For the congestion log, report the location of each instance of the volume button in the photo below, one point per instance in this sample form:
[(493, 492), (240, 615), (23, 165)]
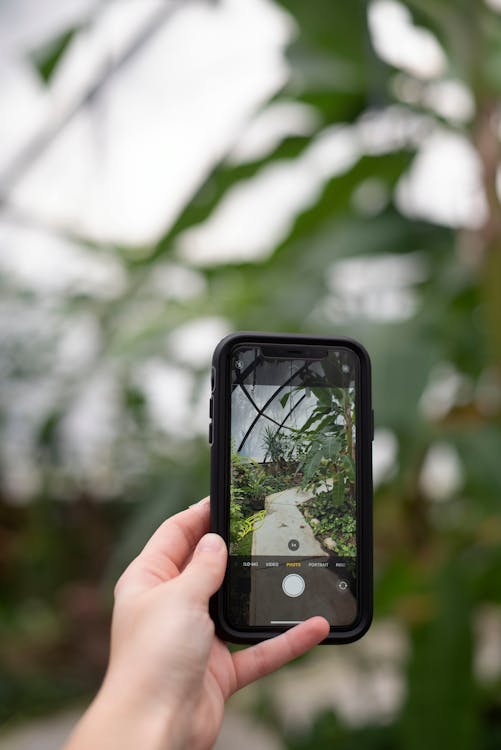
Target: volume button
[(211, 405), (210, 433)]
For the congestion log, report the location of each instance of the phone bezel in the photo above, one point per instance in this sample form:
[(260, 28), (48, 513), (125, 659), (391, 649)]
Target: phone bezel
[(220, 430)]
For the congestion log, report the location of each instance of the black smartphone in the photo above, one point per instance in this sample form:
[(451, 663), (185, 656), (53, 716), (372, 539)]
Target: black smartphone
[(291, 484)]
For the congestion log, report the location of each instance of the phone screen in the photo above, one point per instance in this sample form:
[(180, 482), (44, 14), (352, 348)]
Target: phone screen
[(293, 486)]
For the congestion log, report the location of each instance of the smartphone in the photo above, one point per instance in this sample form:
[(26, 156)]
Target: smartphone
[(291, 484)]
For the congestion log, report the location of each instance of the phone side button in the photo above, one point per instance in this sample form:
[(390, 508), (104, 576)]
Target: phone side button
[(210, 433), (211, 403), (372, 424)]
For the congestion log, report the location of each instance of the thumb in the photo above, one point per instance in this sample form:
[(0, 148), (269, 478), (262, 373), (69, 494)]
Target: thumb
[(205, 572)]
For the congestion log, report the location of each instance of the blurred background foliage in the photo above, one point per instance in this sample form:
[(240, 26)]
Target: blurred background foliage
[(382, 222)]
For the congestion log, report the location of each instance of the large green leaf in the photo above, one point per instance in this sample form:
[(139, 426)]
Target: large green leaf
[(441, 709)]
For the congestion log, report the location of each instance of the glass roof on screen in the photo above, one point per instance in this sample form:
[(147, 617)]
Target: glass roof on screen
[(271, 396)]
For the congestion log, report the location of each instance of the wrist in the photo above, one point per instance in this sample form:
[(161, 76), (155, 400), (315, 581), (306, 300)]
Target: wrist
[(122, 718)]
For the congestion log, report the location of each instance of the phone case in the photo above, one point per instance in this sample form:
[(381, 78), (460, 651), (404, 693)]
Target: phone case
[(219, 437)]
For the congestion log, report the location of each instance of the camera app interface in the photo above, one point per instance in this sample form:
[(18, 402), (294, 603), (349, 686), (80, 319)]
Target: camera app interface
[(293, 520)]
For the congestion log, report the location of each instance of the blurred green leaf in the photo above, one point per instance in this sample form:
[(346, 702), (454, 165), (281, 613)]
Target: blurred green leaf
[(47, 59), (328, 732), (441, 709)]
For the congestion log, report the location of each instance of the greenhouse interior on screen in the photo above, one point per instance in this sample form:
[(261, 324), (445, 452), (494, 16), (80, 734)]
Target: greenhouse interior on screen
[(293, 450)]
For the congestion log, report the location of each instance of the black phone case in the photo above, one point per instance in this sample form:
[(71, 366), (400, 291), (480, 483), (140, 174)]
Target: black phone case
[(219, 437)]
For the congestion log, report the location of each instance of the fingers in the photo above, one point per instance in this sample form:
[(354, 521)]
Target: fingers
[(205, 572), (266, 657), (167, 550), (176, 538)]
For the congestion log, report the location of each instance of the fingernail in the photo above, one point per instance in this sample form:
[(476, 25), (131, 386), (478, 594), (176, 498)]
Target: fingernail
[(203, 501), (211, 543)]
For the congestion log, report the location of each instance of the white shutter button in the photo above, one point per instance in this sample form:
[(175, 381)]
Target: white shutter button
[(293, 585)]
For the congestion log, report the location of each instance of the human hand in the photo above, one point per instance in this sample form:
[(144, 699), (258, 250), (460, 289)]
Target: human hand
[(169, 675)]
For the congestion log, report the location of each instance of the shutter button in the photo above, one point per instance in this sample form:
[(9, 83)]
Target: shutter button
[(293, 585)]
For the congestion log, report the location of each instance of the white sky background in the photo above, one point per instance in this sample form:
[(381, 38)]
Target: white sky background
[(125, 167), (128, 164)]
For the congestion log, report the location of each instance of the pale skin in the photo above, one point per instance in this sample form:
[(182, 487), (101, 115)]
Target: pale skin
[(169, 676)]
